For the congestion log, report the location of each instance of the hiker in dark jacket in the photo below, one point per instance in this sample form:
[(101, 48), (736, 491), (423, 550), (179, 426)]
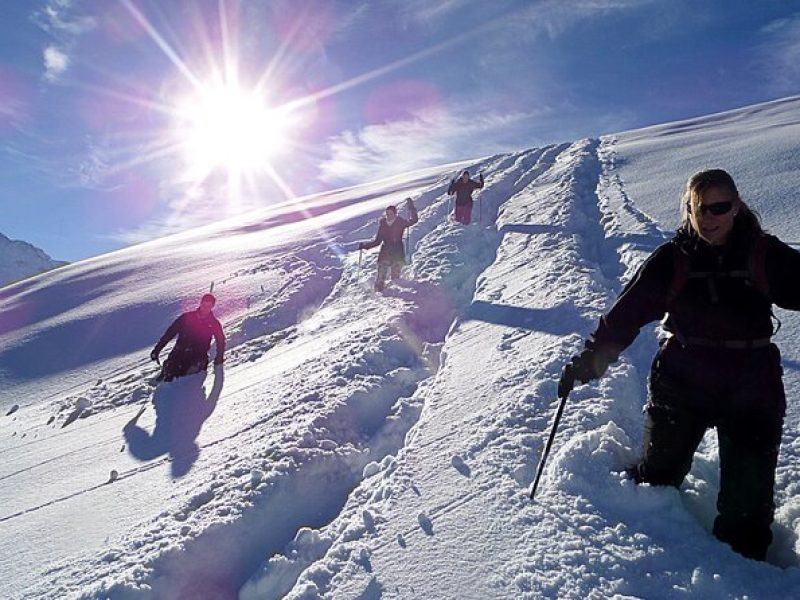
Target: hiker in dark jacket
[(194, 330), (463, 188), (716, 282), (391, 256)]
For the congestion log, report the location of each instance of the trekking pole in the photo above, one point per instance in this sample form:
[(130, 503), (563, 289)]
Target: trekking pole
[(358, 270), (408, 245), (546, 452), (480, 210)]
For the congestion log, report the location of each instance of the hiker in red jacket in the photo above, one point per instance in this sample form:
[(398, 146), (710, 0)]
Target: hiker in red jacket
[(392, 256), (463, 188)]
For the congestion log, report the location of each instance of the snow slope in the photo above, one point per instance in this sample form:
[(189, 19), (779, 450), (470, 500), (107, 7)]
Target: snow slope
[(381, 446), (20, 259)]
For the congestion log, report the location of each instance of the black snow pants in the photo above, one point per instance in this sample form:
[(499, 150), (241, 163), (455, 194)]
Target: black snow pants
[(740, 393), (183, 361)]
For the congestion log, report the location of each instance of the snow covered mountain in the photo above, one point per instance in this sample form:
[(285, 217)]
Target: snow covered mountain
[(381, 446), (20, 259)]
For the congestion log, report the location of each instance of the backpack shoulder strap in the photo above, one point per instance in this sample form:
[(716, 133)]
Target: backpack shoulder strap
[(757, 265), (680, 274)]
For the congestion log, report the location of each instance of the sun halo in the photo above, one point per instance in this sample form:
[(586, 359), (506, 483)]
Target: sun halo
[(227, 127)]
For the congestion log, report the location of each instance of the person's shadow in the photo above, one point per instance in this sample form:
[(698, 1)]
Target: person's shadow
[(181, 409)]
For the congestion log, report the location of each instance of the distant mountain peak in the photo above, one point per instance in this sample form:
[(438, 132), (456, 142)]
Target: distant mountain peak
[(19, 260)]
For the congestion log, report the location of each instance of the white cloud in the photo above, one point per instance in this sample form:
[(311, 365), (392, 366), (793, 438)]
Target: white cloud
[(58, 19), (779, 56), (432, 137), (55, 63)]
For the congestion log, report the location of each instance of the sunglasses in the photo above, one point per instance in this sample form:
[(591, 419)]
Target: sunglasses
[(716, 209)]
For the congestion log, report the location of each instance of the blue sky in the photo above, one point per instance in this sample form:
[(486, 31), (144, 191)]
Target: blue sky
[(126, 120)]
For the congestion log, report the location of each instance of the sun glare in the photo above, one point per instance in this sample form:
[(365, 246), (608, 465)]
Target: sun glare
[(226, 127)]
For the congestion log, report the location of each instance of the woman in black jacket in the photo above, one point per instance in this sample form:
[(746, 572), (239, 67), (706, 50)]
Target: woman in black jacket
[(392, 255), (716, 282)]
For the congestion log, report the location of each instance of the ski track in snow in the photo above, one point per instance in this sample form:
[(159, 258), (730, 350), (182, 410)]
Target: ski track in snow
[(368, 446)]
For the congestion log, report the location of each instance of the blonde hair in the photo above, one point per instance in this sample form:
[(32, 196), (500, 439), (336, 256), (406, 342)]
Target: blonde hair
[(699, 183)]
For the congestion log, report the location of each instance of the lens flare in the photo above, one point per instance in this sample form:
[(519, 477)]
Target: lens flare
[(226, 127)]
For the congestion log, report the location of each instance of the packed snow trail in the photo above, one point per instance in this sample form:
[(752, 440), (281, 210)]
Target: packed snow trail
[(481, 370)]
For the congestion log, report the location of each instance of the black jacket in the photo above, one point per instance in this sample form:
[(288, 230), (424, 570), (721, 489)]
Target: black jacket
[(194, 335), (463, 189), (716, 308), (391, 236)]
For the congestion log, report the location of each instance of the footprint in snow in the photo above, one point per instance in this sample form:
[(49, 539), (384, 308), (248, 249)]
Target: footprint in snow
[(369, 521), (460, 466), (12, 410), (425, 523), (81, 405)]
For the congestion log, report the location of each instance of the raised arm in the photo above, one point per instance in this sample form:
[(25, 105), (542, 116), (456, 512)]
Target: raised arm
[(413, 217)]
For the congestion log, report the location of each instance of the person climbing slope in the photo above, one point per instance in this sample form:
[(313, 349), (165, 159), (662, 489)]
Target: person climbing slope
[(716, 282), (389, 237), (194, 329), (463, 187)]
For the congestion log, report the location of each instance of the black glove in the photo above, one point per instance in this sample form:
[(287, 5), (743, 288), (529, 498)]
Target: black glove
[(586, 366), (567, 381), (219, 360), (154, 355), (360, 245)]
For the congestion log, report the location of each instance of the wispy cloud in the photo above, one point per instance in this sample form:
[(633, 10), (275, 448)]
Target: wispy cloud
[(58, 19), (778, 58), (531, 18), (430, 137)]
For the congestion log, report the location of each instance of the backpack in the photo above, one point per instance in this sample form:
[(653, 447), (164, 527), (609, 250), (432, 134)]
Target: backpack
[(755, 275)]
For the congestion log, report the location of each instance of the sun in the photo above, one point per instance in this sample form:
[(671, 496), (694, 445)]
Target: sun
[(226, 127)]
